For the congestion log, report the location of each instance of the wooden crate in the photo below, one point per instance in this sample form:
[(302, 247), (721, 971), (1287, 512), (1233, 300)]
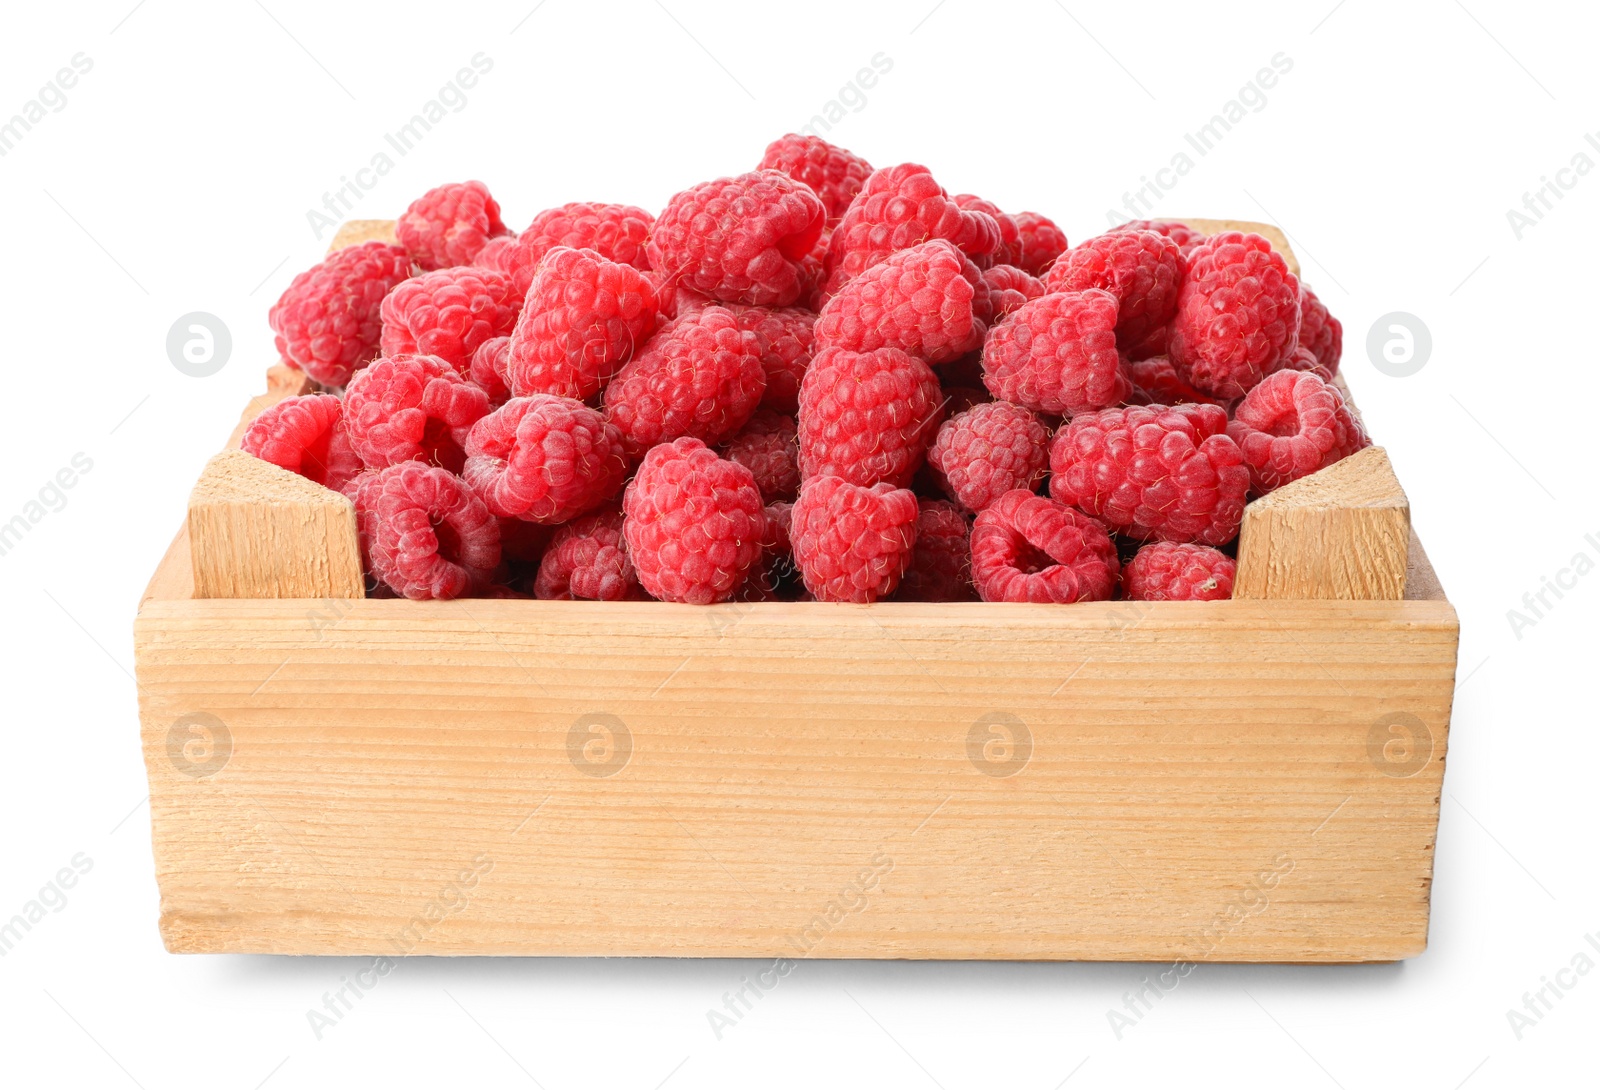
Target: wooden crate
[(1250, 780)]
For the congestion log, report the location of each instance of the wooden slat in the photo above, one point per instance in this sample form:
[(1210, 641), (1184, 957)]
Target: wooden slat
[(355, 232)]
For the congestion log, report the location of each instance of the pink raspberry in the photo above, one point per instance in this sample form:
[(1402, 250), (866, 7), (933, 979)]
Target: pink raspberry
[(545, 459), (408, 408), (617, 232), (1026, 548), (693, 522), (1039, 240), (488, 369), (305, 435), (1057, 354), (699, 376), (1160, 384), (767, 447), (834, 174), (1291, 425), (853, 543), (990, 450), (328, 323), (1238, 314), (430, 536), (1009, 252), (1185, 236), (1164, 571), (918, 300), (899, 207), (583, 318), (495, 255), (867, 416), (1320, 332), (1142, 269), (739, 240), (588, 559), (1303, 359), (1009, 287), (448, 314), (785, 337), (1153, 472), (941, 561), (449, 225)]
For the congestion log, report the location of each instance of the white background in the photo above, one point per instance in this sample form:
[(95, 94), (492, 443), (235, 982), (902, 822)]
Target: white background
[(178, 176)]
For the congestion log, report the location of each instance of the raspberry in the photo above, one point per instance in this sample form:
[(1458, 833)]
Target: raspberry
[(899, 207), (448, 314), (617, 232), (430, 536), (545, 459), (766, 446), (1303, 359), (1185, 236), (867, 416), (584, 316), (990, 450), (588, 559), (1161, 384), (1320, 332), (1057, 354), (1039, 241), (1238, 314), (494, 255), (1163, 571), (739, 240), (1009, 287), (853, 543), (834, 174), (1291, 425), (785, 339), (488, 369), (1153, 471), (412, 407), (1142, 269), (449, 225), (694, 523), (305, 435), (1009, 251), (327, 323), (1026, 548), (941, 562), (700, 376), (918, 300)]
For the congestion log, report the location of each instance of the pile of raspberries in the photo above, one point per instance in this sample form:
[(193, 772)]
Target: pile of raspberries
[(815, 380)]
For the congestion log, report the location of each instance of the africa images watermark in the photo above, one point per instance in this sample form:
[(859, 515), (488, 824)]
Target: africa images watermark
[(1542, 201), (50, 99), (1537, 604), (52, 896), (50, 499), (1535, 1005), (852, 97)]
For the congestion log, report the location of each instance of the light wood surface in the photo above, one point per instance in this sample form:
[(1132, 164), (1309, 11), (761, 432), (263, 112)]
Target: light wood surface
[(353, 232)]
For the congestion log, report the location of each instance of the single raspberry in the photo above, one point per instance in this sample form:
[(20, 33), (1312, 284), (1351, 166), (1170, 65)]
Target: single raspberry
[(588, 559), (899, 207), (431, 536), (834, 174), (488, 369), (918, 300), (1009, 252), (990, 450), (362, 491), (1153, 471), (1026, 548), (327, 323), (941, 560), (1057, 354), (700, 376), (448, 314), (305, 435), (767, 447), (1164, 571), (739, 240), (1142, 269), (1293, 424), (583, 318), (1185, 236), (494, 255), (1040, 242), (1009, 287), (853, 543), (1160, 384), (1303, 359), (449, 225), (867, 416), (617, 232), (693, 522), (1238, 314), (785, 338), (405, 408), (1320, 332), (545, 459)]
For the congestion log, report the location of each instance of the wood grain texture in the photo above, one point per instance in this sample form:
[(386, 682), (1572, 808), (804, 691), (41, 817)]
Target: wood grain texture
[(354, 232), (1270, 232)]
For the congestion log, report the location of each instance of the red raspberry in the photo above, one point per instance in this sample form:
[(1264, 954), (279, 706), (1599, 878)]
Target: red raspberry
[(1009, 252), (786, 343), (767, 447), (1185, 236), (853, 543), (488, 369), (1026, 548), (834, 174), (545, 459), (739, 240), (588, 559), (448, 314), (327, 322), (918, 300), (1039, 240), (899, 207), (700, 376), (867, 416), (1160, 383), (1142, 269), (1293, 424), (1320, 332), (1153, 471), (305, 435), (430, 536), (495, 255), (583, 318), (694, 523), (449, 225), (617, 232), (1303, 359), (1009, 287), (780, 517), (408, 408), (1057, 354), (941, 561), (990, 450), (1238, 314), (1164, 571)]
